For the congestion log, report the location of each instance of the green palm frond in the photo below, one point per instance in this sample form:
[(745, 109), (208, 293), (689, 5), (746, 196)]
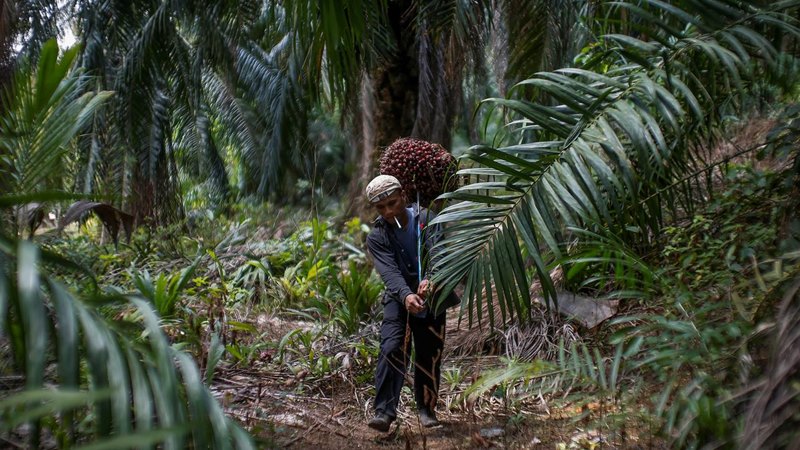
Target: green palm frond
[(196, 82), (461, 18), (543, 35), (122, 375), (575, 367), (451, 36), (44, 110), (612, 154), (278, 110), (338, 39), (32, 23), (158, 57)]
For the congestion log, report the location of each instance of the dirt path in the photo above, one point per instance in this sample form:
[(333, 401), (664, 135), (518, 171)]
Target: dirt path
[(305, 416), (297, 422)]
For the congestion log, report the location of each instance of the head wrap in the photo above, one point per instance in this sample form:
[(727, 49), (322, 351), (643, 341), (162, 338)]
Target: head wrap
[(381, 187)]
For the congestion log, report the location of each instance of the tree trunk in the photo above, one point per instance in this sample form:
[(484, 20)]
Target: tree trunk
[(7, 8), (6, 72), (415, 93), (389, 103)]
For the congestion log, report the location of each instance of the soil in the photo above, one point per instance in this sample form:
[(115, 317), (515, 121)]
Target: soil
[(283, 411), (339, 422)]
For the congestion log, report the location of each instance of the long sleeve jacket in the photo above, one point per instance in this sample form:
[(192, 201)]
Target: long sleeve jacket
[(396, 267)]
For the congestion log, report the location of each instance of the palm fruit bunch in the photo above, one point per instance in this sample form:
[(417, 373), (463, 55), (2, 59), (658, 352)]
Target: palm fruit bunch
[(420, 166)]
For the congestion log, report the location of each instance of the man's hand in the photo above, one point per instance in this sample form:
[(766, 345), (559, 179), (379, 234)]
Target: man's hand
[(425, 288), (414, 303)]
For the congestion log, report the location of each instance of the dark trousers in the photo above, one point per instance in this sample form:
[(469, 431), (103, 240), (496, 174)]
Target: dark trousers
[(428, 337)]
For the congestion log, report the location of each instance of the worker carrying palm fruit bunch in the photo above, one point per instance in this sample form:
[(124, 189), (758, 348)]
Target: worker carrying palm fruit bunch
[(400, 243), (425, 170)]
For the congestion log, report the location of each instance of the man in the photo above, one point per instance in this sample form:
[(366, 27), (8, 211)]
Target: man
[(392, 243)]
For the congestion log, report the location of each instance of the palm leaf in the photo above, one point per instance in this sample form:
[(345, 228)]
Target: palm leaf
[(128, 375), (606, 156), (45, 111)]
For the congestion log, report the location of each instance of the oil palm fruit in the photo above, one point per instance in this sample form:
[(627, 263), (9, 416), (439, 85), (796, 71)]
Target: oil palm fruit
[(420, 166)]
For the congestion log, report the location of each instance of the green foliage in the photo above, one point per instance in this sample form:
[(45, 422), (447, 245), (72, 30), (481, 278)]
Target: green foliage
[(43, 110), (361, 290), (165, 290), (698, 340), (615, 151), (215, 353), (318, 352), (613, 266), (726, 240), (302, 350), (317, 275), (246, 350), (583, 376), (253, 277), (120, 377)]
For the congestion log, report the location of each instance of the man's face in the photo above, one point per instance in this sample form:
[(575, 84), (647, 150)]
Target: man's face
[(392, 206)]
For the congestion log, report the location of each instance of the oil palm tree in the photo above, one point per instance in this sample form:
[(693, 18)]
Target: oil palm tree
[(612, 155), (174, 69), (120, 378)]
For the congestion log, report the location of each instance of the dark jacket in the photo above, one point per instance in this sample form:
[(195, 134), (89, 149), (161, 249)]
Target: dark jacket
[(398, 269)]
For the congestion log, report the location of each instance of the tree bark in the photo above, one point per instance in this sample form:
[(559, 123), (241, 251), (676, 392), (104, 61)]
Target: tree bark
[(389, 103), (414, 93), (7, 8)]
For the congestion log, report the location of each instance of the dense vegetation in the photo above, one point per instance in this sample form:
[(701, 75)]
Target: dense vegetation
[(181, 216)]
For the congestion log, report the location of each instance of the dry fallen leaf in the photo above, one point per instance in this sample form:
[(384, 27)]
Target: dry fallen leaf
[(480, 440)]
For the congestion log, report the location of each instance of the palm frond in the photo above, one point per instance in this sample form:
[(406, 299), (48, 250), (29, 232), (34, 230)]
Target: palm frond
[(574, 367), (131, 385), (459, 17), (449, 35), (772, 412), (45, 110), (275, 117), (333, 38), (607, 154), (544, 35), (158, 57), (34, 23)]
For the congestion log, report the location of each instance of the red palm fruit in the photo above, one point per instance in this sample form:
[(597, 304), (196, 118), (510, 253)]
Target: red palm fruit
[(420, 166)]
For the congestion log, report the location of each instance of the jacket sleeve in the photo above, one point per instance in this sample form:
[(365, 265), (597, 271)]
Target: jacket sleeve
[(385, 264)]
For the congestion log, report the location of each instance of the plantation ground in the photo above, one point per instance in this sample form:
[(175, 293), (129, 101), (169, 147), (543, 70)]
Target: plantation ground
[(338, 421), (288, 410)]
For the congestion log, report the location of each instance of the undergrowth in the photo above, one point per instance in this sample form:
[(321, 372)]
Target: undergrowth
[(299, 297), (697, 329)]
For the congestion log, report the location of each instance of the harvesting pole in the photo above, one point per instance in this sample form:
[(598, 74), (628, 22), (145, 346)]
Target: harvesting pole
[(419, 246), (419, 243)]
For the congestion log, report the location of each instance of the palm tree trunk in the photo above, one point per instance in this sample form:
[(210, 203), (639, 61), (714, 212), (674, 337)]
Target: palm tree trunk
[(395, 83), (415, 93), (6, 70), (6, 41), (389, 103)]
